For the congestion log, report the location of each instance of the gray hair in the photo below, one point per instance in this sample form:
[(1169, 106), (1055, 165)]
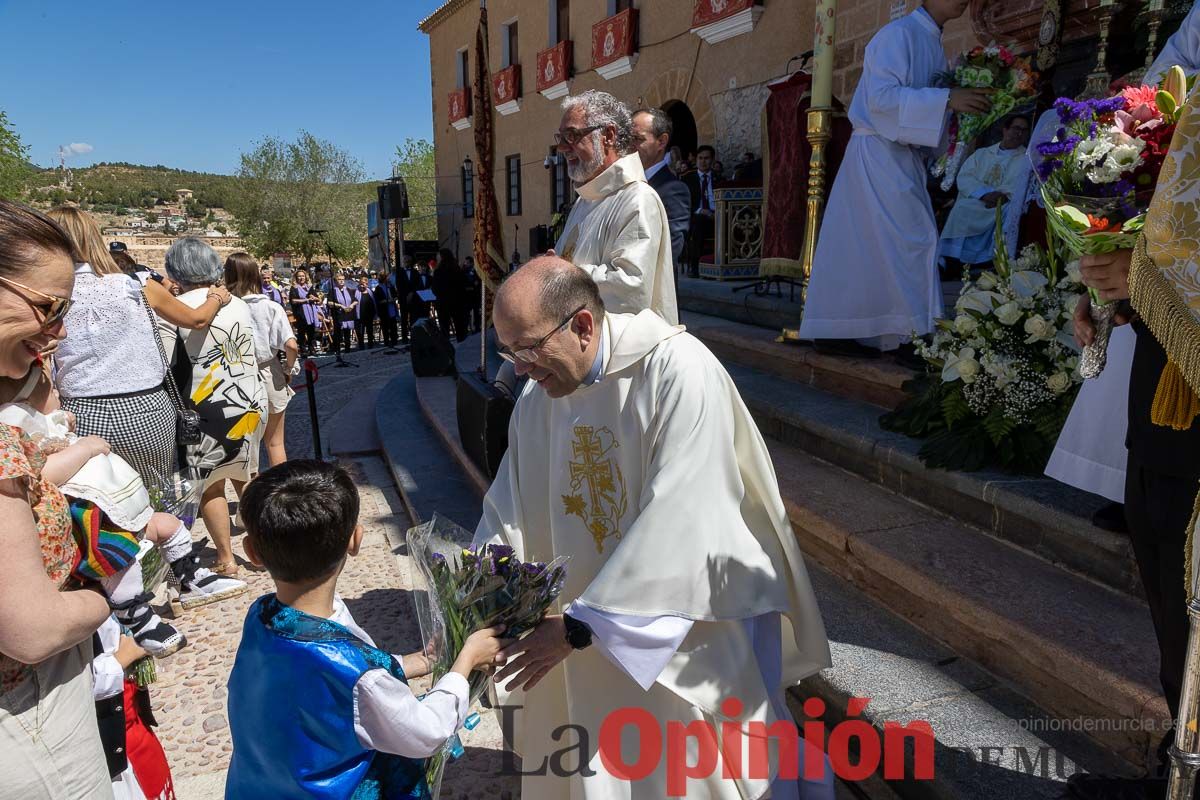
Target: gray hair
[(191, 262), (660, 123), (601, 108)]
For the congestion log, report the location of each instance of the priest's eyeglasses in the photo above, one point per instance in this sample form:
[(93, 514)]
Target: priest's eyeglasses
[(529, 355), (51, 312), (572, 136)]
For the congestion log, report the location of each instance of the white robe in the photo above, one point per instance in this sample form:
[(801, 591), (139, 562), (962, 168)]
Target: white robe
[(657, 484), (874, 271), (988, 169), (617, 232), (1182, 48)]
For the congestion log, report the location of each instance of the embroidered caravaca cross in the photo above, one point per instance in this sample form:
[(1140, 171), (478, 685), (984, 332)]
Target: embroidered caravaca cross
[(601, 479)]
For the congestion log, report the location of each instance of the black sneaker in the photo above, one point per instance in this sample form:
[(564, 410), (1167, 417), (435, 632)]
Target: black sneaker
[(1111, 518)]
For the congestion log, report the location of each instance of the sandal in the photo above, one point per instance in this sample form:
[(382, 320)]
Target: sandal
[(229, 569)]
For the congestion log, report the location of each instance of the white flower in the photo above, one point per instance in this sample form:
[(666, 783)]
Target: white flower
[(992, 51), (987, 281), (1073, 272), (965, 324), (1103, 173), (978, 301), (1090, 151), (1059, 382), (1008, 313), (1125, 157), (960, 366), (1039, 329)]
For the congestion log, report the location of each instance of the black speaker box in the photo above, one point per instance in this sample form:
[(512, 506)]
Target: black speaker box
[(539, 240), (432, 354), (483, 413), (393, 200)]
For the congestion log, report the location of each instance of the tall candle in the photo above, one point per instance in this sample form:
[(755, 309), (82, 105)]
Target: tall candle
[(823, 45)]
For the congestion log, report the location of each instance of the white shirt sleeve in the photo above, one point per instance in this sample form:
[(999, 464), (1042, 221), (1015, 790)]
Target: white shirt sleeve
[(389, 718), (281, 329), (639, 646), (108, 678)]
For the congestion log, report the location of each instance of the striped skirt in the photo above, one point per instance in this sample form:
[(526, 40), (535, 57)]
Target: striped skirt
[(139, 427)]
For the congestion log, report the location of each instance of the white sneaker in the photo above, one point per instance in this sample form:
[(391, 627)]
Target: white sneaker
[(205, 587), (158, 638)]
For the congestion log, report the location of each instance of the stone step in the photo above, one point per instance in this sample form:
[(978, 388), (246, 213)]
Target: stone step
[(1041, 515), (878, 382), (990, 742), (1082, 651)]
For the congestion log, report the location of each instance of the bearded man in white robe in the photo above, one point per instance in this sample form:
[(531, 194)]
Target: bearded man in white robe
[(686, 596), (617, 231), (874, 275), (990, 176)]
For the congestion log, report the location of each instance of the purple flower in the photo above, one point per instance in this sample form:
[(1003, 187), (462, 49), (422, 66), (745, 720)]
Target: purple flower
[(500, 550), (1059, 148), (1046, 169), (1069, 111), (1108, 105)]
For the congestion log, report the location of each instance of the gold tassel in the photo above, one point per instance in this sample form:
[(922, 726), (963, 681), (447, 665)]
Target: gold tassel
[(1175, 404)]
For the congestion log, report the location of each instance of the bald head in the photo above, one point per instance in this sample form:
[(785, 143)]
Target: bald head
[(549, 288), (548, 316)]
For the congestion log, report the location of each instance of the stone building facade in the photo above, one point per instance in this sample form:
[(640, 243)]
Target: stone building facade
[(706, 62)]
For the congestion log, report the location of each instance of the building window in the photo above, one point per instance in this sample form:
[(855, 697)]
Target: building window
[(560, 184), (510, 45), (512, 167), (464, 69), (468, 192), (560, 21), (617, 6)]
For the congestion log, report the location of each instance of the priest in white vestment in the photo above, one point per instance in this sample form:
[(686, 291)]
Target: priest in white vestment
[(990, 176), (874, 275), (617, 231), (632, 453)]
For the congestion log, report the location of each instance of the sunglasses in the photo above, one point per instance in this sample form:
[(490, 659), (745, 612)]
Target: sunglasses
[(52, 311), (529, 355), (572, 136)]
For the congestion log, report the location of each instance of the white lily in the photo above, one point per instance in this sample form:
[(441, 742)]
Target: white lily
[(960, 366)]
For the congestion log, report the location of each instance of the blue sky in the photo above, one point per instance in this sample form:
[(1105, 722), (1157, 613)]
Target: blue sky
[(193, 84)]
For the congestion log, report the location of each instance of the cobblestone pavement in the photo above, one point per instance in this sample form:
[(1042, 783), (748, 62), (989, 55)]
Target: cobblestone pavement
[(190, 696)]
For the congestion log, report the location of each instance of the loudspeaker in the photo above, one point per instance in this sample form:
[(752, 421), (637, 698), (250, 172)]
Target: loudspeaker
[(393, 200), (432, 354), (483, 413), (539, 240)]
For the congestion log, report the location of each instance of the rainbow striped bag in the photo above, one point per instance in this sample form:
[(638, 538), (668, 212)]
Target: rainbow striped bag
[(104, 548)]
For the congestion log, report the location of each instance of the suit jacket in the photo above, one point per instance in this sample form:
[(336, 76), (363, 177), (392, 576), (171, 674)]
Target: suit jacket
[(675, 197), (407, 287), (692, 179), (385, 297)]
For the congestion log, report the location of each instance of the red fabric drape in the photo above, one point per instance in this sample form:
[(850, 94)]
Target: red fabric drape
[(789, 154)]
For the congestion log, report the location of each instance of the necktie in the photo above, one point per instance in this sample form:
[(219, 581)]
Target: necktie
[(704, 206)]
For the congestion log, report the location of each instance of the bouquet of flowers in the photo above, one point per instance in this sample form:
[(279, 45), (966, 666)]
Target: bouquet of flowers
[(1011, 82), (466, 590), (1003, 373), (1098, 175)]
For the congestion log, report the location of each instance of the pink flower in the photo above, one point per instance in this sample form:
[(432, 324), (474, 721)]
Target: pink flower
[(1006, 57), (1140, 102)]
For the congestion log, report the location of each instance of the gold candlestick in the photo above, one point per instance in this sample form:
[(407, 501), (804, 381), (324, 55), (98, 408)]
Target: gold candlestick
[(1155, 12), (820, 131), (1099, 79)]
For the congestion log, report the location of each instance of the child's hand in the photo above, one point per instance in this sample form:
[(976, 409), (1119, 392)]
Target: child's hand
[(481, 648), (94, 446)]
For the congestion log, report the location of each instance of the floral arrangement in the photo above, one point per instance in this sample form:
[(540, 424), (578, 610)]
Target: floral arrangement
[(1011, 82), (1003, 373), (467, 590), (1098, 175)]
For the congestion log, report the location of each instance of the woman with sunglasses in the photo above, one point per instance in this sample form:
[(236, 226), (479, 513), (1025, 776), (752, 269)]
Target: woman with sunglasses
[(49, 741), (109, 370)]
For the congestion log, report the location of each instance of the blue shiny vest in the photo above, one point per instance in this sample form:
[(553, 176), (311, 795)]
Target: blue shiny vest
[(291, 713)]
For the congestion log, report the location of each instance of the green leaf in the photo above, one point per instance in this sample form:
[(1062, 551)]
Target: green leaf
[(997, 426)]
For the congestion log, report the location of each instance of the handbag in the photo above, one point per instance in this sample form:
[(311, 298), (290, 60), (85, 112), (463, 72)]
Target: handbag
[(187, 420)]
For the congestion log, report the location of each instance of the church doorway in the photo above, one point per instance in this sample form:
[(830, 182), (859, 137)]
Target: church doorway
[(685, 135)]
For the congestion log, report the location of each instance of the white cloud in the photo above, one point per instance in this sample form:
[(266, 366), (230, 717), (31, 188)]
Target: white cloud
[(75, 149)]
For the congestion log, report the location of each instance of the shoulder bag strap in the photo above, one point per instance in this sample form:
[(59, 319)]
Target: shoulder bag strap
[(169, 377)]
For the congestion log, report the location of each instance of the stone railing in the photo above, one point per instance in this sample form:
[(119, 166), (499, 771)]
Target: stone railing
[(739, 234)]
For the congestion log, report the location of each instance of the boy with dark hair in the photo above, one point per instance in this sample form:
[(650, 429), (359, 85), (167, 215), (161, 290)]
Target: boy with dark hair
[(315, 709)]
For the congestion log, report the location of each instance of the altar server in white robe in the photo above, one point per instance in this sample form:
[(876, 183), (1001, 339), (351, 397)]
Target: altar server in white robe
[(990, 176), (617, 231), (874, 271), (1090, 453), (632, 453)]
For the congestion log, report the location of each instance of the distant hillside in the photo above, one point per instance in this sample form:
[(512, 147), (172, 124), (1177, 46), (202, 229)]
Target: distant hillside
[(106, 186)]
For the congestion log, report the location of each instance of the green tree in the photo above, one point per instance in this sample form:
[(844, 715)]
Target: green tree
[(151, 217), (415, 163), (287, 189), (14, 161)]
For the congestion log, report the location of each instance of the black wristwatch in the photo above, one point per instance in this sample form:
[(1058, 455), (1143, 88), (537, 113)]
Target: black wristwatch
[(579, 635)]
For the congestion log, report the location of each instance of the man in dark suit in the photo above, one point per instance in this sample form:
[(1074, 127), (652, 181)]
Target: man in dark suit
[(409, 281), (652, 139), (700, 184)]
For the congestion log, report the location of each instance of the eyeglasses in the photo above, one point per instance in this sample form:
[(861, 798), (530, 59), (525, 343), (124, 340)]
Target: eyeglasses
[(51, 312), (572, 136), (529, 355)]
